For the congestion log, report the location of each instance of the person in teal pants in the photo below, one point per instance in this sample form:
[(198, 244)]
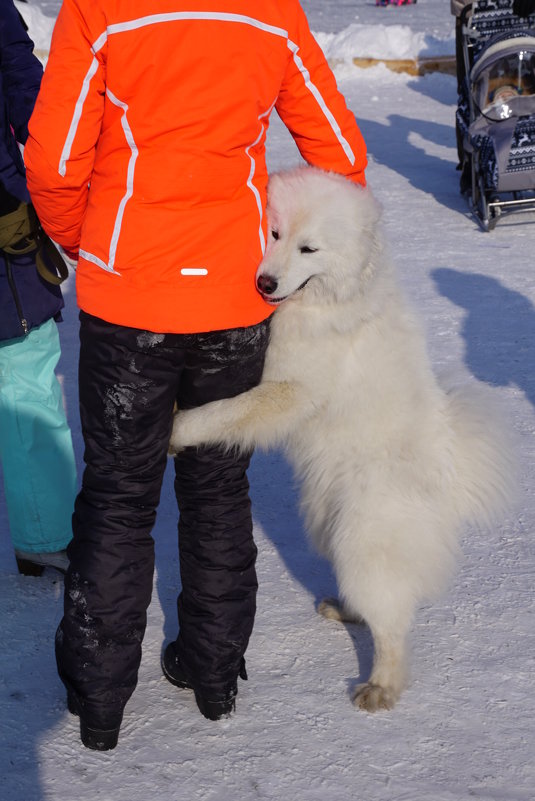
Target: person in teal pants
[(36, 451)]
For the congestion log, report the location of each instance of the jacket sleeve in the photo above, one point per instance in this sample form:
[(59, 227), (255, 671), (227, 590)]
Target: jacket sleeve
[(315, 112), (21, 71), (66, 122)]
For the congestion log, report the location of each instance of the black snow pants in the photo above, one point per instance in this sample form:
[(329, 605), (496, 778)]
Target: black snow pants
[(129, 381)]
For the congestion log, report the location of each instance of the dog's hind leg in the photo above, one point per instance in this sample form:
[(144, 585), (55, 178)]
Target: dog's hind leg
[(385, 603), (389, 674), (332, 609)]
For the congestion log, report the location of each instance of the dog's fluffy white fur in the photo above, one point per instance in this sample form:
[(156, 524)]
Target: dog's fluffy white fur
[(391, 464)]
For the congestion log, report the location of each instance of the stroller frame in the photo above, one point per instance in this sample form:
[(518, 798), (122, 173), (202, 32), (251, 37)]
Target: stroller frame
[(480, 22)]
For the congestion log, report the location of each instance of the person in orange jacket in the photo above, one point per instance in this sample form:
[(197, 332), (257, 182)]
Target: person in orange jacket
[(146, 162)]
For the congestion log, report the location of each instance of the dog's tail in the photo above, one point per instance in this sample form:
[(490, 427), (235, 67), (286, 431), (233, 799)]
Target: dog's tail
[(484, 458)]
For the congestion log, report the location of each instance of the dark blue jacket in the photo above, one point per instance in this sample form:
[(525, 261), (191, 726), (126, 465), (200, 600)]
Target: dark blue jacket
[(26, 300)]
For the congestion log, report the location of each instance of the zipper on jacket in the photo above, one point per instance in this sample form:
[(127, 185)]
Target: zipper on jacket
[(11, 282)]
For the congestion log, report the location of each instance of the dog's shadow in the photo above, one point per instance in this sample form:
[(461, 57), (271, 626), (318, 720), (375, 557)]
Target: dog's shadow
[(274, 495), (412, 155)]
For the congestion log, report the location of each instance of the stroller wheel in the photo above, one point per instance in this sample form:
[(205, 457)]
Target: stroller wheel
[(494, 212), (480, 206)]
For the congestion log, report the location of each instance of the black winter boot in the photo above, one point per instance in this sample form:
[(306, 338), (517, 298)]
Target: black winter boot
[(213, 707), (95, 739)]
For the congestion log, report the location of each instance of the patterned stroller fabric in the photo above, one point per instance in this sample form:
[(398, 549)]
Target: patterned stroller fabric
[(496, 109)]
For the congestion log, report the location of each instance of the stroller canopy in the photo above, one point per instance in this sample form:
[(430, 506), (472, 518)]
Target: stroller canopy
[(503, 78)]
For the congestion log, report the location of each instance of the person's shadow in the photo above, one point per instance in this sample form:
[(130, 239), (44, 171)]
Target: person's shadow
[(32, 699), (499, 328), (401, 143)]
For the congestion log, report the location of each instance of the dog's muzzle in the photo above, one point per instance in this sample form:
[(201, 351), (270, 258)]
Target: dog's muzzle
[(267, 285)]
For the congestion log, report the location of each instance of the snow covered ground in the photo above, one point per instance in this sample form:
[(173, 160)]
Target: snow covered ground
[(464, 728)]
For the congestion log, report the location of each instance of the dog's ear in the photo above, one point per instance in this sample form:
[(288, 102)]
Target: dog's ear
[(368, 225)]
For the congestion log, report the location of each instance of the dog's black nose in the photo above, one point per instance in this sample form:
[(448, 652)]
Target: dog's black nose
[(266, 284)]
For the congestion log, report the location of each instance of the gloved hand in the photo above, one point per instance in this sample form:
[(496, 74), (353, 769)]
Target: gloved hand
[(523, 8)]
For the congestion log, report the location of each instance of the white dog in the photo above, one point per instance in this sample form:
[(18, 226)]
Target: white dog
[(390, 464)]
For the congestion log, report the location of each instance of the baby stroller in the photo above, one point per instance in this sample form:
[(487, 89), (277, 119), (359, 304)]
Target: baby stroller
[(496, 111)]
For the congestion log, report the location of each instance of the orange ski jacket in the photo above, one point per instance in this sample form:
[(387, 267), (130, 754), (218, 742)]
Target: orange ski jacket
[(146, 155)]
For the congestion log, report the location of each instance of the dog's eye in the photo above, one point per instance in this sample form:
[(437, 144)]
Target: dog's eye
[(307, 249), (275, 234)]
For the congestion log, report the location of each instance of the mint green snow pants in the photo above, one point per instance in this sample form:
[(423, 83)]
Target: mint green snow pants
[(35, 443)]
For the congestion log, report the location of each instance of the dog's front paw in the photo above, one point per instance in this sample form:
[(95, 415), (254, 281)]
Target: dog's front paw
[(181, 433), (373, 697), (174, 449)]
